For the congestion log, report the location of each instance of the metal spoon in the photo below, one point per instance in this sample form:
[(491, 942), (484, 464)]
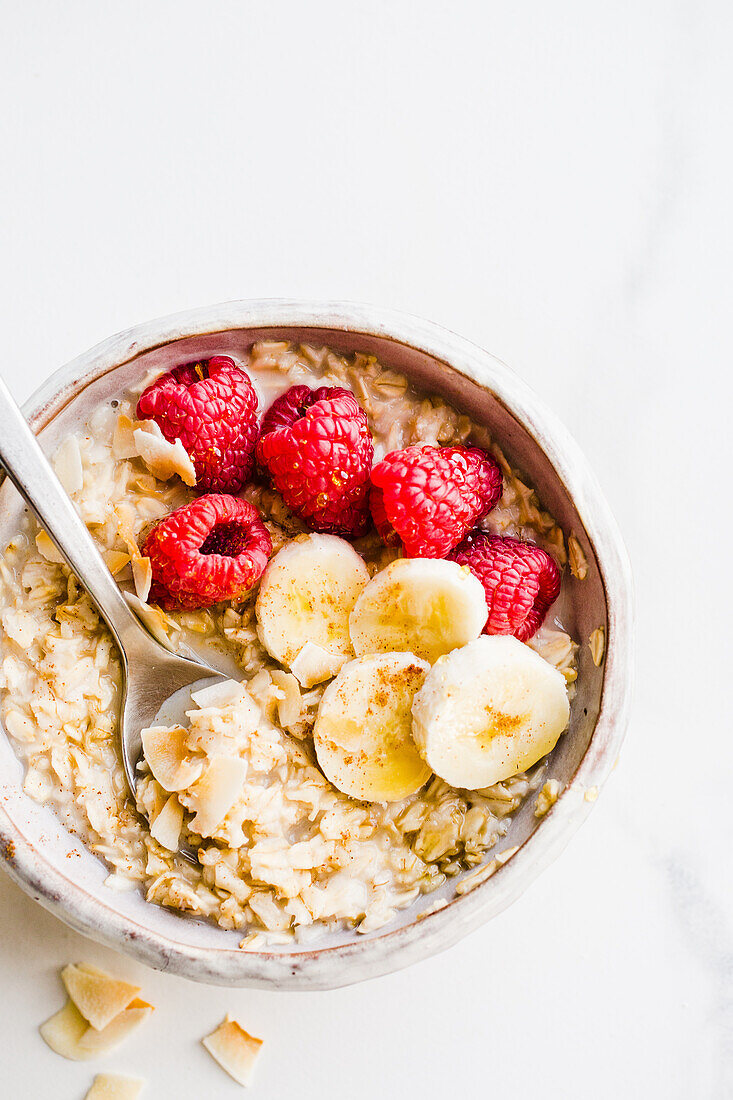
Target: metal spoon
[(150, 673)]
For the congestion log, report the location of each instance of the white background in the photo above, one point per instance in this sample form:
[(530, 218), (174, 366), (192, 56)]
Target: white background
[(552, 180)]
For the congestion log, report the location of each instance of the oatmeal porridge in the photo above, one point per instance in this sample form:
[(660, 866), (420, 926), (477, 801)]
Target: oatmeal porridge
[(333, 779)]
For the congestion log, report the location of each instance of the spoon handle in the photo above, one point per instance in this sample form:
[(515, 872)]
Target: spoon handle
[(34, 478)]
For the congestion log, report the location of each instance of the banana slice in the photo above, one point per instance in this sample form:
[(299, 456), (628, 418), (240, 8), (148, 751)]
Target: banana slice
[(420, 605), (488, 711), (306, 595), (363, 732)]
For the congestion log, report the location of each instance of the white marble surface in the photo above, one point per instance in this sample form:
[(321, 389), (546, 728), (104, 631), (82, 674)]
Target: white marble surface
[(553, 181)]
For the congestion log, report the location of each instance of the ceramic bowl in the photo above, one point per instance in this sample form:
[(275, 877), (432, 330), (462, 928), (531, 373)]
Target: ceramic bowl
[(68, 880)]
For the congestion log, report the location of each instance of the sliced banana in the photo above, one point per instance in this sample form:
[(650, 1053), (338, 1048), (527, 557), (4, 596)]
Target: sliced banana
[(488, 711), (363, 732), (419, 605), (306, 595)]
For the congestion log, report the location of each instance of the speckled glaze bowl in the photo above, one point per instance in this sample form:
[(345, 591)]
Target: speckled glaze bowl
[(63, 876)]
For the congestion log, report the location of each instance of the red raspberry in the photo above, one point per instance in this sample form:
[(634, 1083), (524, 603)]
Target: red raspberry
[(520, 580), (211, 407), (430, 497), (213, 549), (318, 449)]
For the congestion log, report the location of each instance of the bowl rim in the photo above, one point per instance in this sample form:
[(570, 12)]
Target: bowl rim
[(332, 966)]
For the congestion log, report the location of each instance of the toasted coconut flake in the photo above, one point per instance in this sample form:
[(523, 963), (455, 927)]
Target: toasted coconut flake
[(166, 828), (160, 625), (142, 575), (47, 549), (116, 561), (163, 458), (67, 464), (168, 757), (577, 559), (68, 1033), (110, 1086), (220, 695), (597, 643), (216, 792), (126, 528), (63, 1031), (547, 797), (290, 707), (98, 996), (93, 1043), (123, 443), (314, 664), (234, 1049)]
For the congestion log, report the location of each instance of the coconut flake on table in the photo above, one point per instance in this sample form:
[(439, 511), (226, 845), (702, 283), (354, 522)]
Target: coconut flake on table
[(234, 1049), (69, 1032), (98, 996), (112, 1086)]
